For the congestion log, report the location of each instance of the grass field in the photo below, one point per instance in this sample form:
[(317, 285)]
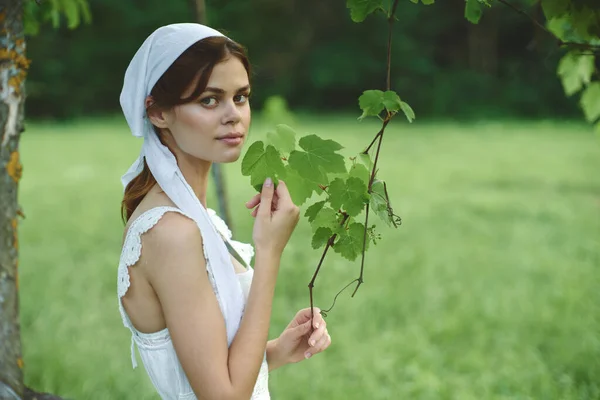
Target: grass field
[(488, 290)]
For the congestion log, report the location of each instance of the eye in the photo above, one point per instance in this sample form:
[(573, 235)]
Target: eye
[(209, 101), (241, 98)]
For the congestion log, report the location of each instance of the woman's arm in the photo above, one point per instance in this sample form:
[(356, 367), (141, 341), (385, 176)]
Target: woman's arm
[(174, 260), (176, 268), (272, 356)]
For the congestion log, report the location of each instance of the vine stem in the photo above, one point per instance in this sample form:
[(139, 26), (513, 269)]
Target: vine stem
[(311, 285), (378, 138)]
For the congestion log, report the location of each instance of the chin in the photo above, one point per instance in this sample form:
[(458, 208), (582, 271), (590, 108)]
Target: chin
[(229, 157)]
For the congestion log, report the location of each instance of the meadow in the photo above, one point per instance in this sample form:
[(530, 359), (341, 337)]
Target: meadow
[(488, 290)]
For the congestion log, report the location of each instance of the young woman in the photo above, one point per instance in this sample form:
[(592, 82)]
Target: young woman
[(198, 313)]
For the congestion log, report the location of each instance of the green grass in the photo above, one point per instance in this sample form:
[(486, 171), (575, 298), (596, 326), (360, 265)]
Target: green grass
[(488, 290)]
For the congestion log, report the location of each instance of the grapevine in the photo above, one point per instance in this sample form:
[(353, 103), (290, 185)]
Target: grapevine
[(312, 167)]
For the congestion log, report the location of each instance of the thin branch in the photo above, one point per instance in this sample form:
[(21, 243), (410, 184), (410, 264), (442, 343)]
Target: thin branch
[(583, 46), (311, 285), (389, 49)]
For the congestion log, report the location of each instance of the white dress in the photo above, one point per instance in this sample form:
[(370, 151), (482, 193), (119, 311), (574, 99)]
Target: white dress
[(156, 349)]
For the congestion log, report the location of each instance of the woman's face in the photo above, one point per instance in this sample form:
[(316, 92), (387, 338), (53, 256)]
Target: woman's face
[(214, 127)]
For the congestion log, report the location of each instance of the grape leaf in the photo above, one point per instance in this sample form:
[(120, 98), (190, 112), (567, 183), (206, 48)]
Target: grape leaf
[(360, 9), (575, 70), (473, 11), (554, 8), (260, 164), (300, 189), (351, 195), (366, 160), (326, 218), (371, 103), (408, 111), (590, 102), (321, 237), (312, 211), (360, 171), (391, 101), (283, 139), (380, 202), (318, 158), (349, 243)]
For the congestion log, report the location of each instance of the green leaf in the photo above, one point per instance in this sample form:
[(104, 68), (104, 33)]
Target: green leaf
[(590, 102), (350, 195), (349, 243), (31, 18), (427, 2), (360, 9), (318, 158), (473, 11), (71, 11), (321, 237), (260, 164), (300, 188), (312, 211), (575, 71), (554, 8), (55, 15), (366, 160), (408, 111), (391, 101), (379, 202), (283, 139), (326, 218), (84, 9), (371, 103), (361, 172)]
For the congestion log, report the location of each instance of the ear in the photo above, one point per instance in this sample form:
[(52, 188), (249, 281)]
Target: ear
[(155, 114)]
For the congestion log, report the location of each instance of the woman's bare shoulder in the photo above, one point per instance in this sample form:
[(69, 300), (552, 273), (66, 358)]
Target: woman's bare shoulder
[(172, 228)]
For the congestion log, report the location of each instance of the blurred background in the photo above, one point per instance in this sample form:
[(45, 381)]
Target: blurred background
[(488, 289)]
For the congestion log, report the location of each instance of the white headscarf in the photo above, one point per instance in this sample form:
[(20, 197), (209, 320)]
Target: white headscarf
[(152, 59)]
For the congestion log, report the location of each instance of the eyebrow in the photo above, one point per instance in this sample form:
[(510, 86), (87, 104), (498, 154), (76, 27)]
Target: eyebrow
[(218, 90)]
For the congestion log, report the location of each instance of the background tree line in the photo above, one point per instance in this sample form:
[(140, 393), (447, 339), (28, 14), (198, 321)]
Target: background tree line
[(311, 53)]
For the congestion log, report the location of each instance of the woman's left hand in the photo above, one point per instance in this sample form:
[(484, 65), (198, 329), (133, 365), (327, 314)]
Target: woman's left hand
[(298, 341)]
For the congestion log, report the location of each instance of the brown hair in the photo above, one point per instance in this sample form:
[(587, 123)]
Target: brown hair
[(199, 58)]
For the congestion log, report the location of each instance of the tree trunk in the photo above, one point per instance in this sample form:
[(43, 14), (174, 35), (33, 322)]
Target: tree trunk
[(200, 11), (483, 43), (13, 69)]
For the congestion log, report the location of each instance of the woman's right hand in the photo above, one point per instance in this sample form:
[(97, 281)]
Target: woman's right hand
[(276, 217)]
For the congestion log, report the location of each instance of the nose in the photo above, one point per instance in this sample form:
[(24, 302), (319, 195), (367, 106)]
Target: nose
[(232, 114)]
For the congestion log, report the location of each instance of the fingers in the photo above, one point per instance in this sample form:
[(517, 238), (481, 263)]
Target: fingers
[(322, 344), (303, 315), (283, 193), (318, 333), (253, 202), (266, 197)]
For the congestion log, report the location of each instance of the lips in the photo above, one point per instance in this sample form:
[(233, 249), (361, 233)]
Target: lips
[(233, 135), (232, 139)]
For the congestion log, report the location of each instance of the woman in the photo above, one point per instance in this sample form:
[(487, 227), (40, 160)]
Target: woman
[(198, 313)]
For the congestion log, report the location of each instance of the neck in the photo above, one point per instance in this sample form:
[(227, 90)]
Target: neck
[(194, 170), (195, 173)]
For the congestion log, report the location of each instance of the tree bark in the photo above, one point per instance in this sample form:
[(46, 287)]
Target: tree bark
[(200, 11), (483, 43), (13, 69)]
